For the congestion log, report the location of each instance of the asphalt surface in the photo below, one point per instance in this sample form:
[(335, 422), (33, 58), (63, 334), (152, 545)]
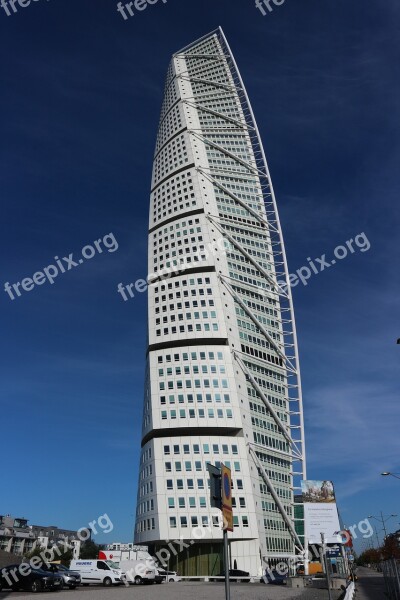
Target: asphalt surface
[(185, 590), (370, 585)]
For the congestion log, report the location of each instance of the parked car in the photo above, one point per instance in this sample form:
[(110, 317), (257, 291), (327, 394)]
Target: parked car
[(23, 577), (234, 575), (71, 579), (170, 576), (274, 577), (98, 571)]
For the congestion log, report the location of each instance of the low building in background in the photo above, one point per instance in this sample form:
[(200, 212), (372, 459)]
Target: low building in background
[(19, 538)]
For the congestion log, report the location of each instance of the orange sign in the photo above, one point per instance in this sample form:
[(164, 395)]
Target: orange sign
[(226, 485)]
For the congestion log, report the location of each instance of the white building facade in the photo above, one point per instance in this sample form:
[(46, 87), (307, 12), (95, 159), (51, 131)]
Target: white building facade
[(222, 380)]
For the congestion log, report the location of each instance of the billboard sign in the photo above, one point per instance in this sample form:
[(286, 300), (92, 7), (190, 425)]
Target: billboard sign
[(320, 511)]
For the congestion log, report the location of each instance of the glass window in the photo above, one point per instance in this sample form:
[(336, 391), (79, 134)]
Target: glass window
[(181, 502), (171, 502), (172, 522), (183, 521), (188, 465), (168, 467), (202, 500), (166, 450), (170, 484), (179, 484), (192, 502), (190, 484), (176, 449)]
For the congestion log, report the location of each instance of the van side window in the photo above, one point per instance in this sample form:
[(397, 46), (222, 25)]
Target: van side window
[(101, 565)]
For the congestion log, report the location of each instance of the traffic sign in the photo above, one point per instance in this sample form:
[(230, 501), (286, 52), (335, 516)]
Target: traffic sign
[(227, 513)]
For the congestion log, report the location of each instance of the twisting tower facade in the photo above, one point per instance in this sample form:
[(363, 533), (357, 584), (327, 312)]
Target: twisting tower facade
[(223, 381)]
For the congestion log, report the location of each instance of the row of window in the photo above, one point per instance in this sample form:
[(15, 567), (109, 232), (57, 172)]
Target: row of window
[(191, 502), (194, 292), (199, 327), (195, 449), (204, 521), (182, 413), (199, 398), (179, 384), (180, 305), (196, 466), (191, 356), (195, 369), (188, 484)]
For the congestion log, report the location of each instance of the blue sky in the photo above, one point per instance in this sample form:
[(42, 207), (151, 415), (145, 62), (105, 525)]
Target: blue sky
[(82, 90)]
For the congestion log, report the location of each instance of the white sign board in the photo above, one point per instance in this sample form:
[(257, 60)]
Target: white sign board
[(320, 512)]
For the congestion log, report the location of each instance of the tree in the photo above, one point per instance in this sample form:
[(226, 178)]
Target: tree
[(370, 556), (390, 548), (64, 556), (89, 550)]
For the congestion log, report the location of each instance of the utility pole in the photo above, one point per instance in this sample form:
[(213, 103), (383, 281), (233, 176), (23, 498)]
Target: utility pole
[(325, 566)]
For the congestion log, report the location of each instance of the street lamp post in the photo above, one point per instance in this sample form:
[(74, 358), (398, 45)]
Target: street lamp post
[(386, 473), (382, 519)]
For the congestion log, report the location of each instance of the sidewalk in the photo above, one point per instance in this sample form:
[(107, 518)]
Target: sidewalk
[(370, 585)]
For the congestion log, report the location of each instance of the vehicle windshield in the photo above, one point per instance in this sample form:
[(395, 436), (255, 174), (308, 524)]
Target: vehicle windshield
[(112, 564)]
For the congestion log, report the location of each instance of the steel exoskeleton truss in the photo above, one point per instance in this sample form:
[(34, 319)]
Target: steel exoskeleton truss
[(286, 346)]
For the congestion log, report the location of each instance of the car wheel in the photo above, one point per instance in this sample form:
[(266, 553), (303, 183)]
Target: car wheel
[(36, 586), (138, 580), (107, 581), (61, 586)]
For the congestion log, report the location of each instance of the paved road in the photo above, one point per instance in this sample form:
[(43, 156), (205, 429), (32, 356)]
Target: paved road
[(185, 590), (370, 585)]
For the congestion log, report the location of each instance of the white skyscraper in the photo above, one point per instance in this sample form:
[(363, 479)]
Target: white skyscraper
[(222, 381)]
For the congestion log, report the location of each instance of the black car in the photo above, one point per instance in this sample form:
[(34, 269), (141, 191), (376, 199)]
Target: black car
[(23, 577), (234, 575)]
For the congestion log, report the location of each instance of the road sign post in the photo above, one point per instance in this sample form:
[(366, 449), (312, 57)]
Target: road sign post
[(226, 497), (221, 497)]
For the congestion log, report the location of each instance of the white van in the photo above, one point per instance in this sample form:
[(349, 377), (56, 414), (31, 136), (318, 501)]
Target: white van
[(137, 565), (103, 572)]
